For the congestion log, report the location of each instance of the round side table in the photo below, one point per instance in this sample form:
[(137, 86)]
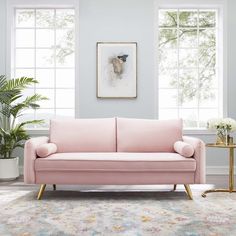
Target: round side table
[(231, 148)]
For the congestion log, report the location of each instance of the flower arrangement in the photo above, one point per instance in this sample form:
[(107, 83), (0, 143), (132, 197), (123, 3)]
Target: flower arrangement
[(223, 127)]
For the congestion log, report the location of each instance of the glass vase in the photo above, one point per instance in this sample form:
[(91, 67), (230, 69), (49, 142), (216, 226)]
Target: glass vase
[(224, 140), (219, 138)]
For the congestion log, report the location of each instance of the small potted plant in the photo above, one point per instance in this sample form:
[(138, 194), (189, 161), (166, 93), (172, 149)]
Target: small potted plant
[(12, 133), (223, 128)]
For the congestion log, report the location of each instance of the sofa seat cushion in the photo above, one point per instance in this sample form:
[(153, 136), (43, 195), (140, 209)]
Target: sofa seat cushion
[(122, 162)]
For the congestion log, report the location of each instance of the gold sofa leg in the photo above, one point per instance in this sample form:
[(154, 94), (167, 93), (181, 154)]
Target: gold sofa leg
[(189, 192), (54, 187), (41, 190), (174, 187)]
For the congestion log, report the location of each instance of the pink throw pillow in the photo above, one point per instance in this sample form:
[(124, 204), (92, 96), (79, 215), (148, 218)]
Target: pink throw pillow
[(46, 149), (184, 149)]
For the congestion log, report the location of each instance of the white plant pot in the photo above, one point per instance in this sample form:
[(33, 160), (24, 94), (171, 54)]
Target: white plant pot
[(9, 168)]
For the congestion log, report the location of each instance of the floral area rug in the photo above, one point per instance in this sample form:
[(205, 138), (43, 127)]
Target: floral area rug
[(70, 213)]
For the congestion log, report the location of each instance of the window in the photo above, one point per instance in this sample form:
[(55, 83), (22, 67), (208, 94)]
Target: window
[(43, 48), (189, 69)]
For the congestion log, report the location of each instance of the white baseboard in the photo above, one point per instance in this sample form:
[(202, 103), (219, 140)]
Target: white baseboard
[(217, 170), (210, 170)]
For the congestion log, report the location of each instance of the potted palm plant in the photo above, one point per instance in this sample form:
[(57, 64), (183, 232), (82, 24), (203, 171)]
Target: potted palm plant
[(13, 133)]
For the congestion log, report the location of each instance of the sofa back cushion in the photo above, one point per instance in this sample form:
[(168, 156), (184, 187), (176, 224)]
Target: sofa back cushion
[(84, 135), (143, 135)]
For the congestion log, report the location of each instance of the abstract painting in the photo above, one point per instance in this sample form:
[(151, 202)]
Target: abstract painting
[(116, 69)]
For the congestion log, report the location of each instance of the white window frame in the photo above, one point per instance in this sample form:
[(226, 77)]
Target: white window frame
[(221, 7), (11, 6)]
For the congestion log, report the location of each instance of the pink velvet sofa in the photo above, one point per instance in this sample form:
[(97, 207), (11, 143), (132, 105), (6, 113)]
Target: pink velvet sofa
[(113, 151)]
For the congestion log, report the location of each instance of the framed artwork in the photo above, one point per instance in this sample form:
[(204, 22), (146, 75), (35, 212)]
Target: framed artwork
[(116, 69)]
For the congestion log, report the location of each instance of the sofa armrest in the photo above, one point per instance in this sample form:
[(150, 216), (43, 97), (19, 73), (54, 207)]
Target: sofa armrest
[(200, 157), (30, 156)]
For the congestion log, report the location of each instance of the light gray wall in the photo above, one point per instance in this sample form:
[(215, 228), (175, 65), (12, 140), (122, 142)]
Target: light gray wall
[(2, 36), (122, 20), (231, 58), (129, 20)]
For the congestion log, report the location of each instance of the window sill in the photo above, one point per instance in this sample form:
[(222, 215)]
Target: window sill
[(37, 132), (197, 132)]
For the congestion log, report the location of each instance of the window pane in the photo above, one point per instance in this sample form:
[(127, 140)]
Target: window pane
[(207, 19), (61, 102), (65, 38), (207, 38), (24, 57), (188, 38), (49, 93), (209, 98), (168, 58), (167, 78), (44, 57), (65, 57), (65, 48), (188, 98), (46, 115), (24, 38), (45, 78), (25, 18), (188, 58), (168, 38), (205, 115), (65, 113), (189, 117), (65, 18), (188, 87), (188, 18), (44, 38), (207, 57), (45, 18), (168, 98), (168, 18), (27, 92), (208, 78), (26, 116), (168, 113), (65, 78), (24, 73)]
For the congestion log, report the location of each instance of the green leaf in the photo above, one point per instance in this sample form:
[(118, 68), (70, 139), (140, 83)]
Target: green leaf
[(10, 90), (3, 79), (19, 83), (31, 122), (5, 111), (13, 135), (29, 102), (4, 132)]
